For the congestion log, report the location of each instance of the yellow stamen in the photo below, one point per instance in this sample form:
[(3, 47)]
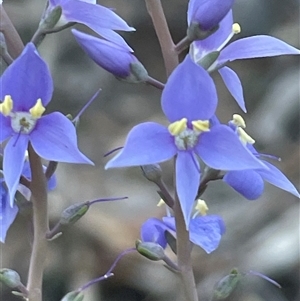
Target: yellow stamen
[(244, 137), (201, 207), (201, 125), (177, 127), (6, 106), (236, 28), (238, 120), (38, 109), (160, 203)]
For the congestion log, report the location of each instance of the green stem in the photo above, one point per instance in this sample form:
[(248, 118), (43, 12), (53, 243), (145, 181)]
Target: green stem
[(40, 227)]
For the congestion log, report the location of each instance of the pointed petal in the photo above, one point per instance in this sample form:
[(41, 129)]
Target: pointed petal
[(221, 149), (146, 143), (5, 128), (153, 230), (13, 161), (187, 182), (214, 41), (255, 47), (93, 16), (106, 54), (234, 85), (26, 80), (246, 182), (206, 232), (278, 179), (189, 93), (7, 213), (54, 139)]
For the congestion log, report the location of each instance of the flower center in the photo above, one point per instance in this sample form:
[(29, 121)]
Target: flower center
[(22, 122), (186, 138)]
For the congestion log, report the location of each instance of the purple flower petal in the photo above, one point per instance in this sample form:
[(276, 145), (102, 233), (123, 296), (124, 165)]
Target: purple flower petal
[(187, 182), (93, 16), (5, 128), (54, 139), (234, 85), (153, 230), (255, 47), (146, 143), (208, 14), (246, 182), (220, 148), (13, 161), (7, 213), (214, 41), (26, 80), (106, 54), (278, 179), (189, 93), (206, 232)]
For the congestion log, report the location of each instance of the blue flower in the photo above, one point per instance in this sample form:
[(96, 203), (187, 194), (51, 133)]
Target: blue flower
[(189, 100), (97, 17), (26, 88), (251, 47), (204, 231), (208, 14), (250, 183)]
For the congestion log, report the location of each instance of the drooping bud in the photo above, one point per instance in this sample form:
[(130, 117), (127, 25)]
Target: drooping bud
[(51, 19), (152, 172), (226, 285), (73, 213), (10, 278), (73, 296), (150, 250), (113, 58)]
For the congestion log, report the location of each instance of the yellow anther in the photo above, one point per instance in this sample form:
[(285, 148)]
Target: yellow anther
[(238, 120), (236, 28), (201, 125), (160, 203), (177, 127), (6, 106), (38, 109), (201, 207), (244, 137)]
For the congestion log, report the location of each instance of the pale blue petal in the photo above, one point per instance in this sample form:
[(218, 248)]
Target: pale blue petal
[(189, 93), (146, 143), (255, 47), (54, 139), (278, 179), (7, 213), (187, 182), (220, 148), (5, 128), (234, 86), (13, 161), (246, 182), (26, 80)]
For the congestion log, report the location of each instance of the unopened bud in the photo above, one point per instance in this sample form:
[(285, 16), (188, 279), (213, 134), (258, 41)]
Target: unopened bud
[(73, 296), (10, 278), (150, 250), (152, 172), (226, 285), (3, 46), (73, 213), (51, 19), (194, 32), (138, 73)]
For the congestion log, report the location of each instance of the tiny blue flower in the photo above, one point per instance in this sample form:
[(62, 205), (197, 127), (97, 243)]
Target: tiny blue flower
[(26, 88)]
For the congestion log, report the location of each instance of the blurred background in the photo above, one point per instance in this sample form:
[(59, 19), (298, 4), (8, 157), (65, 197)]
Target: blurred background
[(261, 235)]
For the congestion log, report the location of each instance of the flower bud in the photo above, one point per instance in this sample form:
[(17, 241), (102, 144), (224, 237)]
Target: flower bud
[(115, 59), (51, 19), (226, 285), (152, 172), (73, 213), (10, 278), (73, 296), (150, 250)]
